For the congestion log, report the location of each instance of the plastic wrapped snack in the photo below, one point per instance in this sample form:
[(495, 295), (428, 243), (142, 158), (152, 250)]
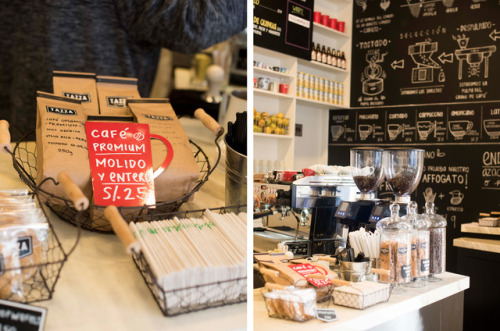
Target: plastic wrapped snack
[(296, 304)]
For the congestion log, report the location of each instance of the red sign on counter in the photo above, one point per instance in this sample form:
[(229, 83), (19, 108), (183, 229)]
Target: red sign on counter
[(121, 163), (308, 269)]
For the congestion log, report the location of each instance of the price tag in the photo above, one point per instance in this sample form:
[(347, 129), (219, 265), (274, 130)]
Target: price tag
[(326, 314), (121, 163), (16, 317), (308, 269)]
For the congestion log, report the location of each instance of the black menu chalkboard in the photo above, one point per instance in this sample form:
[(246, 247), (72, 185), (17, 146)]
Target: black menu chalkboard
[(284, 26), (424, 51), (462, 154)]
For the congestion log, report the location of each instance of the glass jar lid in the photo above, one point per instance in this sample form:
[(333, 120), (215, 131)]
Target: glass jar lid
[(436, 220), (418, 221), (394, 223)]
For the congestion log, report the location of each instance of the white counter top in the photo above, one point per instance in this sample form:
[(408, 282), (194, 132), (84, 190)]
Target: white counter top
[(100, 287), (353, 319)]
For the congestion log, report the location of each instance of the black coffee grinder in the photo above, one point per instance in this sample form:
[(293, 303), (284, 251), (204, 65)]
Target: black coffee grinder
[(403, 168), (367, 173)]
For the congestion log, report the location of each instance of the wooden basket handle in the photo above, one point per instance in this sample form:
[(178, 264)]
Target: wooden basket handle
[(327, 258), (274, 286), (4, 136), (209, 122), (120, 227), (269, 272), (80, 201), (340, 282), (381, 271)]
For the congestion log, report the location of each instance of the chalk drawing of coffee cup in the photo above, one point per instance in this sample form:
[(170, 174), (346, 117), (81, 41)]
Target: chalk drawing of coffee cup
[(425, 128), (337, 131), (492, 128), (429, 195), (394, 130), (456, 197), (460, 128), (364, 131)]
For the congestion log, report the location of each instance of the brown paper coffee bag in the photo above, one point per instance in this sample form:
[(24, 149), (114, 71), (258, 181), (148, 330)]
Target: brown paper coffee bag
[(61, 143), (77, 85), (113, 93), (182, 174)]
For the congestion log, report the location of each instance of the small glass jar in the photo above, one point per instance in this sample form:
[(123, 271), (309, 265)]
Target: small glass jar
[(395, 247), (437, 242), (420, 246)]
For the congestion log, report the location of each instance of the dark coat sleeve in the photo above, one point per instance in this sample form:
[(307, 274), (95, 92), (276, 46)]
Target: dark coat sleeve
[(186, 26)]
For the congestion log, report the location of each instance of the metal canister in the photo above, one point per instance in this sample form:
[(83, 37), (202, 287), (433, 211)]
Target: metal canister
[(307, 80)]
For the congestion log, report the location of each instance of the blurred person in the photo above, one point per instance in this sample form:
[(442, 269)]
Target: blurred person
[(106, 37)]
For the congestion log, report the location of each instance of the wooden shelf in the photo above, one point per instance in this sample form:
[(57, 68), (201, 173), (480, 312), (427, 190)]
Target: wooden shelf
[(320, 103), (486, 245), (273, 94), (327, 29), (272, 73), (267, 135), (475, 228), (322, 65)]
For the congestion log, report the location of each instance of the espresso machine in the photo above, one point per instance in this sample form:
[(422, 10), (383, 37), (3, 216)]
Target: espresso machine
[(319, 197), (403, 168), (367, 171), (310, 204)]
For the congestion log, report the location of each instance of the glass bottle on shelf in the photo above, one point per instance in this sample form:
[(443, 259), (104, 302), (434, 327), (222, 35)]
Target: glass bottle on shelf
[(420, 250), (313, 52), (329, 56), (395, 249), (318, 53), (339, 60), (343, 61), (334, 58), (323, 54), (437, 242)]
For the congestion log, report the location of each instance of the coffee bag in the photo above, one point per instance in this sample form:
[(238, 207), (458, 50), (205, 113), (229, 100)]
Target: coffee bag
[(61, 142), (113, 93), (77, 85), (182, 174)]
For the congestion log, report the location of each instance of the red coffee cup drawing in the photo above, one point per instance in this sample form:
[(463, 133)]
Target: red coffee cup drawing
[(168, 158)]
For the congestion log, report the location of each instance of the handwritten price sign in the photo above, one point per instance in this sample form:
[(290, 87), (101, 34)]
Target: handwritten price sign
[(121, 163), (308, 269)]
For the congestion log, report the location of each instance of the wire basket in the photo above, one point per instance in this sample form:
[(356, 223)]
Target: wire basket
[(93, 219), (175, 302), (36, 282)]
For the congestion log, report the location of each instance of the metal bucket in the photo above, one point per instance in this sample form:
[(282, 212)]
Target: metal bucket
[(354, 271), (236, 177)]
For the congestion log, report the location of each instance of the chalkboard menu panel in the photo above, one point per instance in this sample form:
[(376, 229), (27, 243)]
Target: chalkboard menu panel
[(284, 26), (425, 51), (462, 154)]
